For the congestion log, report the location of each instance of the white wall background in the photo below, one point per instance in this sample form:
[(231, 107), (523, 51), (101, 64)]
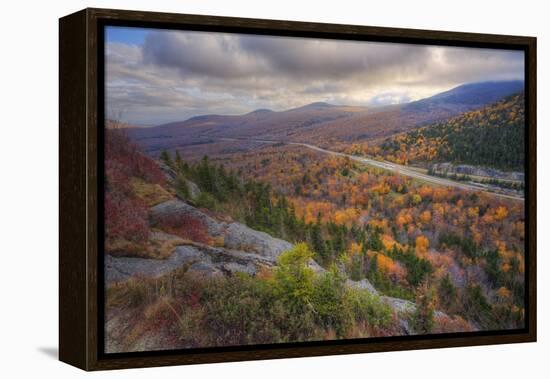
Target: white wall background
[(29, 177)]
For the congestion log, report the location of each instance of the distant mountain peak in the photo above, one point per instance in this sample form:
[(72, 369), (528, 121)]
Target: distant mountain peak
[(261, 111), (493, 87), (319, 104), (315, 105), (470, 95), (203, 117)]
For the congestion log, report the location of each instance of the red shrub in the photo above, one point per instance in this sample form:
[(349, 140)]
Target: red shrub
[(123, 154), (186, 227), (116, 177), (125, 214), (125, 217)]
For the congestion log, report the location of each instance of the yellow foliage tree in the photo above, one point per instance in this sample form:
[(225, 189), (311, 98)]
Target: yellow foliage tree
[(391, 268), (501, 213), (504, 293), (422, 245), (426, 217), (473, 212), (355, 249)]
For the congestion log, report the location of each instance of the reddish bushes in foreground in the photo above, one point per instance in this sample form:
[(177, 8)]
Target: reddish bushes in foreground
[(125, 157), (125, 217), (186, 227), (125, 214)]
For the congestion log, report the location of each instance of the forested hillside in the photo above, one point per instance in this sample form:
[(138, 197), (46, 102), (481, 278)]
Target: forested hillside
[(492, 136), (288, 194), (325, 247), (389, 229)]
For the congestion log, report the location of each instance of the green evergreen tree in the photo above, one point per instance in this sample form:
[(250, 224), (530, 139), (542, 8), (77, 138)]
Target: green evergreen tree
[(447, 293), (375, 242), (317, 241), (178, 161), (423, 318), (182, 188), (166, 158)]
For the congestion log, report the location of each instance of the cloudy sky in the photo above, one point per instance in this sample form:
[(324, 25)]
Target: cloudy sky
[(157, 76)]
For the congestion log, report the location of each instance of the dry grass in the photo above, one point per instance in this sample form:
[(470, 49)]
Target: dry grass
[(218, 241), (149, 326), (149, 314), (151, 194), (129, 294), (451, 324), (162, 248), (159, 246)]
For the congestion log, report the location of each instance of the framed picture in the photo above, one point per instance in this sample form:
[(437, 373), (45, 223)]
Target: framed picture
[(237, 189)]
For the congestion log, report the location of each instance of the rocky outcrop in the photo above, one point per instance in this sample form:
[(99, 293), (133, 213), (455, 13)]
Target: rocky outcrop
[(400, 306), (362, 284), (200, 259), (241, 237), (178, 208), (316, 267), (167, 171), (244, 250), (118, 269), (171, 175), (405, 310), (236, 236), (194, 190)]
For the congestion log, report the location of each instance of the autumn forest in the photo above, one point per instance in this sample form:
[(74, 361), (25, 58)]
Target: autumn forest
[(316, 222)]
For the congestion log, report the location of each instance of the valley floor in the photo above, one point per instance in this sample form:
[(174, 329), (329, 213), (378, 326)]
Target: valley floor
[(409, 171)]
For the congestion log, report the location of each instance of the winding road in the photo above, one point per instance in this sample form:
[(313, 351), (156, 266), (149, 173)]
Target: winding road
[(393, 167)]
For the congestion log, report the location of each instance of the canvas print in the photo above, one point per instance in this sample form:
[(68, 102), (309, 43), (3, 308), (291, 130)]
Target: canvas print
[(264, 190)]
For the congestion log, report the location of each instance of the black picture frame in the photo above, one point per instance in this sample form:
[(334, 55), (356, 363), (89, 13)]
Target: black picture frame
[(81, 109)]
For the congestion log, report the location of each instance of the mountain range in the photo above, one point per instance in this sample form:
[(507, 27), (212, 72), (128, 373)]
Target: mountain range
[(324, 123)]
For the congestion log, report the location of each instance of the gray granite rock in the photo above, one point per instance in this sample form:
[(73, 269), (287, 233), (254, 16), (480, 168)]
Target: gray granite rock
[(362, 284), (316, 267), (200, 259), (241, 237), (233, 267), (401, 306), (236, 235), (177, 208), (118, 269), (194, 190), (167, 171)]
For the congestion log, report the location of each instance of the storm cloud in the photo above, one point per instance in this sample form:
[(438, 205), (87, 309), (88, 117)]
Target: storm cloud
[(174, 75)]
